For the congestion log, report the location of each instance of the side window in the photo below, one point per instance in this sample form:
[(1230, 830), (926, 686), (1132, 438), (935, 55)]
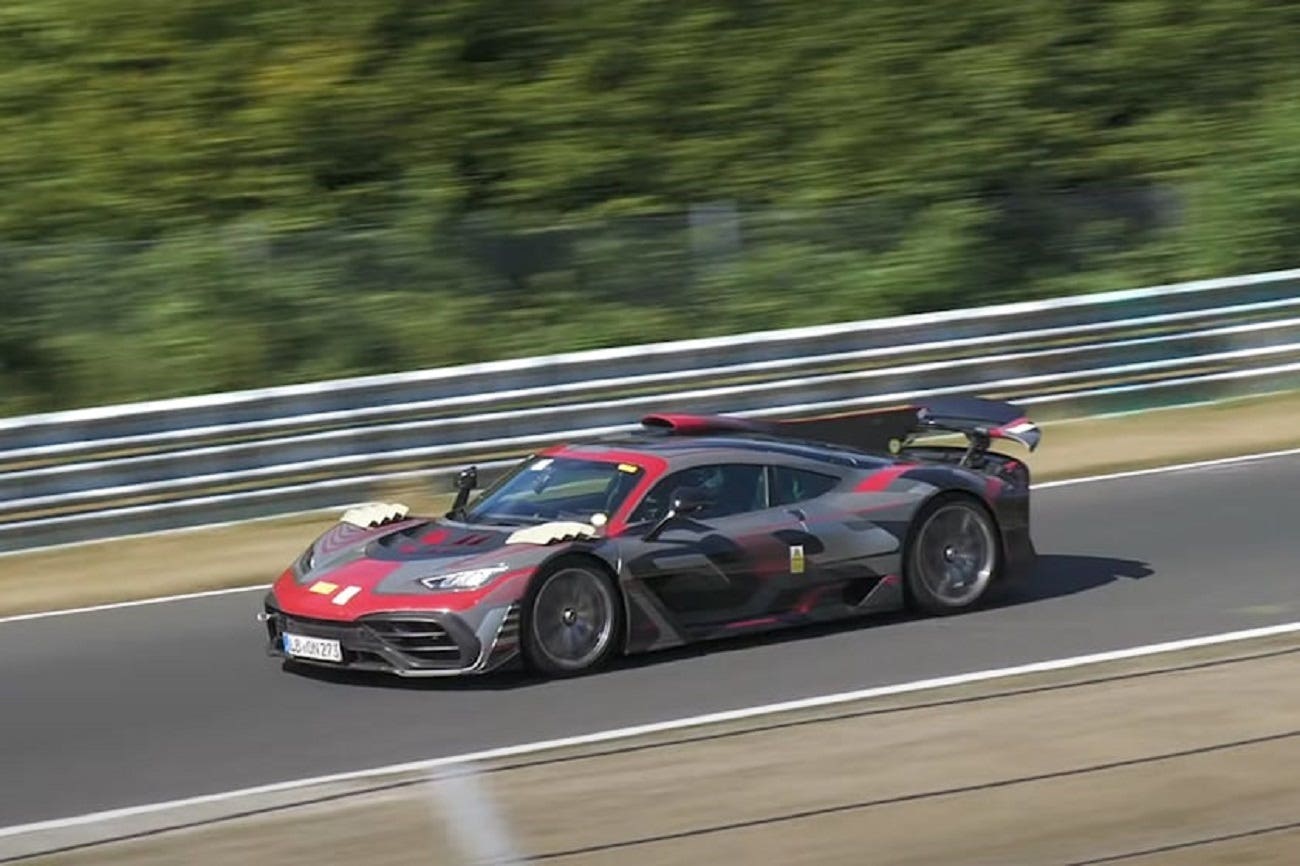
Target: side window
[(734, 488), (796, 485)]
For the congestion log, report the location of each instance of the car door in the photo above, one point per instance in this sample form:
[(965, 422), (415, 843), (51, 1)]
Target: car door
[(846, 554), (726, 564)]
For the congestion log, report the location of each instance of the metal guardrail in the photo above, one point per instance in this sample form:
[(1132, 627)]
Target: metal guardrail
[(108, 471)]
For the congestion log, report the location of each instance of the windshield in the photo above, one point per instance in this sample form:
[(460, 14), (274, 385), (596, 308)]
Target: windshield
[(542, 489)]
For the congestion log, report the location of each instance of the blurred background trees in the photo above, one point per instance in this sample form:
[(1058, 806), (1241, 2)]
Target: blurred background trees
[(213, 194)]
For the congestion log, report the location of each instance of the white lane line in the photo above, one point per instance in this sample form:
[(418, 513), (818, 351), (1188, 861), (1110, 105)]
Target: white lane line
[(1042, 485), (141, 602), (179, 530), (455, 761), (1160, 470)]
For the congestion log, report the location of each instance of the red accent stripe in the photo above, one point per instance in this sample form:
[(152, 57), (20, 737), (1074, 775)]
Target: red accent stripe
[(647, 462), (297, 599), (810, 599), (747, 623), (1001, 430), (880, 480)]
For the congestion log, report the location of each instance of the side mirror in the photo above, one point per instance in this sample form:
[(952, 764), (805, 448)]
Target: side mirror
[(466, 482), (467, 479), (686, 500)]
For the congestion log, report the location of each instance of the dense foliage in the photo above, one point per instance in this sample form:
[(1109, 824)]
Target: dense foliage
[(212, 194)]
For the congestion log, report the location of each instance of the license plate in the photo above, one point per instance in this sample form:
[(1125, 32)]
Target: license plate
[(318, 648)]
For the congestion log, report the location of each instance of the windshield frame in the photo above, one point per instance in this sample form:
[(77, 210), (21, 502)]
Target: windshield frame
[(484, 510)]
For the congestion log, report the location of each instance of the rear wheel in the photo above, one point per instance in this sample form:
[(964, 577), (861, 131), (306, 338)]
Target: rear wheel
[(954, 556), (572, 620)]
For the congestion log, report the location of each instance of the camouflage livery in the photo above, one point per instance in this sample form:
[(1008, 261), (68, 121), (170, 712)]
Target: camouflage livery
[(795, 523)]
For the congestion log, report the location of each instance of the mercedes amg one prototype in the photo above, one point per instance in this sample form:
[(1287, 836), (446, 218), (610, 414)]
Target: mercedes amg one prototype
[(691, 528)]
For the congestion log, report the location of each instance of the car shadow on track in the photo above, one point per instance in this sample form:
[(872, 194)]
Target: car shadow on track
[(1057, 574), (502, 680), (1053, 576)]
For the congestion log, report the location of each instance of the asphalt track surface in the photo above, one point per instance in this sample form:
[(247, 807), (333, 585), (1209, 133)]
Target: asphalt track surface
[(134, 705)]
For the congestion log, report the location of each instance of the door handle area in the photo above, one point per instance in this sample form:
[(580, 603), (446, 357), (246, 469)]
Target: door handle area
[(799, 514)]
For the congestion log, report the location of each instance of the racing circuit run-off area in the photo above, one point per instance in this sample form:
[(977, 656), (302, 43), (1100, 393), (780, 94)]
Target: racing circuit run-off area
[(649, 433)]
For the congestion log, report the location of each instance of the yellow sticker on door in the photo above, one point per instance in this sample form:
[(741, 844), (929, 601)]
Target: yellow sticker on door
[(796, 559)]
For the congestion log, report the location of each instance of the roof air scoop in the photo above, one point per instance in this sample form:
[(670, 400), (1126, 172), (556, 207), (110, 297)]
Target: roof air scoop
[(698, 425)]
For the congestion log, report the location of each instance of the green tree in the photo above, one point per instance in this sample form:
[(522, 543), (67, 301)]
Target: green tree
[(204, 194)]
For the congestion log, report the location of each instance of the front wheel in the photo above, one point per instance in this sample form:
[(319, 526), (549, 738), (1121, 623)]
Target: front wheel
[(572, 620), (953, 558)]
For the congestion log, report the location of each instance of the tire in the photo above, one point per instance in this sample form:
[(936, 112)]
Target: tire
[(954, 556), (572, 621)]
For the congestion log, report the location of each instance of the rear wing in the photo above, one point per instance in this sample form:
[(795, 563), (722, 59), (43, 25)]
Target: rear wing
[(976, 417), (891, 429)]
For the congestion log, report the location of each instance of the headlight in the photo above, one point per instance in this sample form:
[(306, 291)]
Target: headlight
[(471, 578)]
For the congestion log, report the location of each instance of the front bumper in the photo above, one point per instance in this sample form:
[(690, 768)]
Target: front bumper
[(409, 644)]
